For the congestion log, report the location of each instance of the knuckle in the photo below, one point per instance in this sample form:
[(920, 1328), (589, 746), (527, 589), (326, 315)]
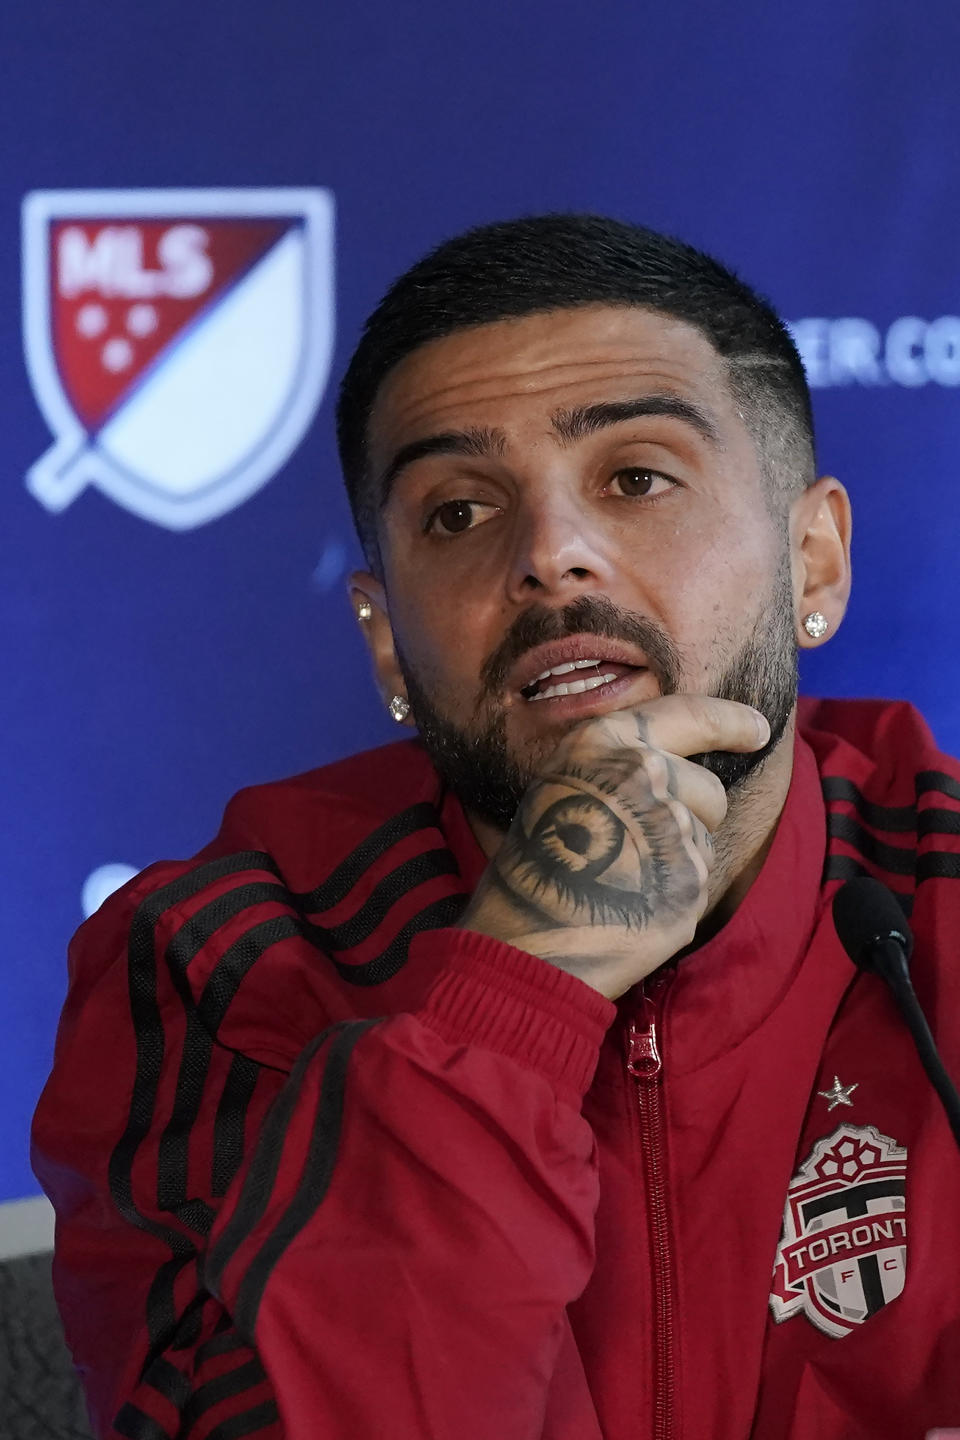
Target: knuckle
[(702, 868), (716, 810), (657, 770), (689, 881), (576, 746), (598, 735), (711, 720), (682, 819), (717, 793)]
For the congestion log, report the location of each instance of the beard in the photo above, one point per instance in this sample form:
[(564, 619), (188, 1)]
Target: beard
[(476, 762)]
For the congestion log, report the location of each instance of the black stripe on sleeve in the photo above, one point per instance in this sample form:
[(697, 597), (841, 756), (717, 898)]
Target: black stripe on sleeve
[(261, 1417), (938, 865), (892, 818), (445, 911), (172, 1150), (938, 780), (844, 867), (150, 1038), (217, 996), (246, 1376), (393, 887), (342, 880), (135, 1425), (164, 1326), (315, 1180), (202, 1024), (895, 858), (169, 1382), (148, 1030), (150, 1043), (262, 1174), (197, 1048), (238, 960), (228, 1126), (222, 1344), (197, 932), (938, 822)]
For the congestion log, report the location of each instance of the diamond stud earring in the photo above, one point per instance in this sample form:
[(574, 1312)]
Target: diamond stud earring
[(399, 708), (364, 610), (816, 625)]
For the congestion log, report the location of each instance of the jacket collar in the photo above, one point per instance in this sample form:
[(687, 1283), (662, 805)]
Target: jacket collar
[(722, 991)]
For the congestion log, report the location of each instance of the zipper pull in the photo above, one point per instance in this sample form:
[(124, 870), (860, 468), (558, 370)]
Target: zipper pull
[(644, 1061)]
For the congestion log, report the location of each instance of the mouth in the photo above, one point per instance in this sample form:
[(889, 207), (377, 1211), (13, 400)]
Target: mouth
[(549, 685), (575, 666)]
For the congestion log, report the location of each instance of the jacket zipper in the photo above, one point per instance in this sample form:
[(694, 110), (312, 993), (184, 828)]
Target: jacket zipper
[(645, 1064)]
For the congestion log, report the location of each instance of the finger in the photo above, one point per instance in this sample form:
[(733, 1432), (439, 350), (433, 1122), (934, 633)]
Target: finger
[(640, 772), (697, 842), (644, 773), (700, 791), (702, 840), (691, 724)]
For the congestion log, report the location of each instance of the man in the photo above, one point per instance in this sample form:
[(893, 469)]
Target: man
[(515, 1084)]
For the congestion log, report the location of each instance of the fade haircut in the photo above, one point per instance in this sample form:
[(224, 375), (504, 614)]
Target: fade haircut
[(560, 262)]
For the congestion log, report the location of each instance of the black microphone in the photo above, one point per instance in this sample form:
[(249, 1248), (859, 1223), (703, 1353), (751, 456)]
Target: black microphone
[(874, 932)]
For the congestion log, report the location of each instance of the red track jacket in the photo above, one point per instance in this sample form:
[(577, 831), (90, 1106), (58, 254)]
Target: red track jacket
[(328, 1168)]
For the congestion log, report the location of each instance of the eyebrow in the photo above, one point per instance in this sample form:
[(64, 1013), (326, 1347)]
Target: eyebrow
[(573, 425), (568, 425), (479, 441)]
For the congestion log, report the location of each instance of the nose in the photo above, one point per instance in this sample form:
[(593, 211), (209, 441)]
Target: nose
[(557, 553)]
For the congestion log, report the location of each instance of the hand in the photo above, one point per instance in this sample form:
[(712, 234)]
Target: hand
[(604, 870)]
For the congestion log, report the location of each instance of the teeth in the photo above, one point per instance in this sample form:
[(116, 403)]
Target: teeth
[(575, 687), (567, 667)]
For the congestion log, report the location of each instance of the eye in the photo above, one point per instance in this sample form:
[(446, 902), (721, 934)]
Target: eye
[(635, 482), (576, 865), (579, 836), (455, 516)]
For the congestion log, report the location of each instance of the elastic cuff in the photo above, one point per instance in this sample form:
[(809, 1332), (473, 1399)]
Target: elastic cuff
[(491, 994)]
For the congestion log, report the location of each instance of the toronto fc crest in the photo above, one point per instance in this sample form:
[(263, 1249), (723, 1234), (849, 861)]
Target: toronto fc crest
[(178, 341), (843, 1252)]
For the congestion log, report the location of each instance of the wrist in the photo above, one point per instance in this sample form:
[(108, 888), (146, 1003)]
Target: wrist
[(490, 993)]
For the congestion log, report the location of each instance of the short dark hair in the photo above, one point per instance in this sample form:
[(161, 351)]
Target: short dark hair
[(560, 262)]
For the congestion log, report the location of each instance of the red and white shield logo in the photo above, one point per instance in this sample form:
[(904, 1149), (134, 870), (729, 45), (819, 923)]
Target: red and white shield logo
[(178, 341), (843, 1254)]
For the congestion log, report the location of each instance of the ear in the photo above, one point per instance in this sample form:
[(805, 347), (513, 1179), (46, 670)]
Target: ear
[(820, 530), (369, 602)]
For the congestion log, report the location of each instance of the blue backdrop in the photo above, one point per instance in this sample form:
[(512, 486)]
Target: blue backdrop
[(150, 671)]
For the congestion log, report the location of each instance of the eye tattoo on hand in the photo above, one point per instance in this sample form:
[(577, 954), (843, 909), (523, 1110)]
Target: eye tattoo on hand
[(565, 870), (579, 834)]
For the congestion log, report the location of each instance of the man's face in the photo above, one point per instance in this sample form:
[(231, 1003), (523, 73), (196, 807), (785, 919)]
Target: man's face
[(563, 489)]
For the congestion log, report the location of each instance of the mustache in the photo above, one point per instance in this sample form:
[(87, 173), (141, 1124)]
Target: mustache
[(589, 615)]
